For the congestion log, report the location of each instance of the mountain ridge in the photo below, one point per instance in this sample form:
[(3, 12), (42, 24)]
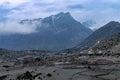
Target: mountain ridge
[(56, 32), (106, 31)]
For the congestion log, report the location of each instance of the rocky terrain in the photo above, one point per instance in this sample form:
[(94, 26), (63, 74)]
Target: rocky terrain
[(110, 45), (9, 55), (94, 68)]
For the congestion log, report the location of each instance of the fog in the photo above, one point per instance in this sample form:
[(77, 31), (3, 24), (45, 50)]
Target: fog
[(7, 28)]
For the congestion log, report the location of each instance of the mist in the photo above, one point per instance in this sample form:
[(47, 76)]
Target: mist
[(9, 28)]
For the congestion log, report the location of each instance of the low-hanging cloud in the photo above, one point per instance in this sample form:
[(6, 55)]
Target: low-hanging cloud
[(7, 28)]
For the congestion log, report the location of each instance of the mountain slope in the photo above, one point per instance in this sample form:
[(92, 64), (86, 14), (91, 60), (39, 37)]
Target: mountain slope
[(110, 45), (104, 32), (55, 32)]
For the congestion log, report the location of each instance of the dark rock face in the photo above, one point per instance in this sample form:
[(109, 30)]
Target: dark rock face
[(26, 75), (55, 32), (104, 32)]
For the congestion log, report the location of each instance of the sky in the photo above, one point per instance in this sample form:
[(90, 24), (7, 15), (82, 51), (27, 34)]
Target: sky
[(100, 11)]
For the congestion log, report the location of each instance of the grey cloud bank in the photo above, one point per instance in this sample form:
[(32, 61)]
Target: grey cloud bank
[(8, 28)]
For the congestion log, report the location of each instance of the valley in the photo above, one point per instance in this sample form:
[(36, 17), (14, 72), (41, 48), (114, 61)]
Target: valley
[(79, 67), (59, 39), (101, 61)]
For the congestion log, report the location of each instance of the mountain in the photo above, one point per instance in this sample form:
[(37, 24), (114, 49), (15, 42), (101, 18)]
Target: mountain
[(104, 32), (109, 45), (55, 32)]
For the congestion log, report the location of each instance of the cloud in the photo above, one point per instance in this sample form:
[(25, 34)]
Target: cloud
[(101, 11), (9, 28), (11, 3), (77, 6)]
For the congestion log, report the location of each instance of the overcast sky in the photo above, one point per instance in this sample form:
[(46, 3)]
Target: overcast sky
[(101, 11)]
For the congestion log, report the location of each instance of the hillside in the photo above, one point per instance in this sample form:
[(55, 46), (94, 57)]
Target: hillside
[(110, 45), (104, 32)]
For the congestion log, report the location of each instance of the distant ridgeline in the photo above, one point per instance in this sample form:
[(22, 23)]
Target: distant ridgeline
[(104, 32)]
